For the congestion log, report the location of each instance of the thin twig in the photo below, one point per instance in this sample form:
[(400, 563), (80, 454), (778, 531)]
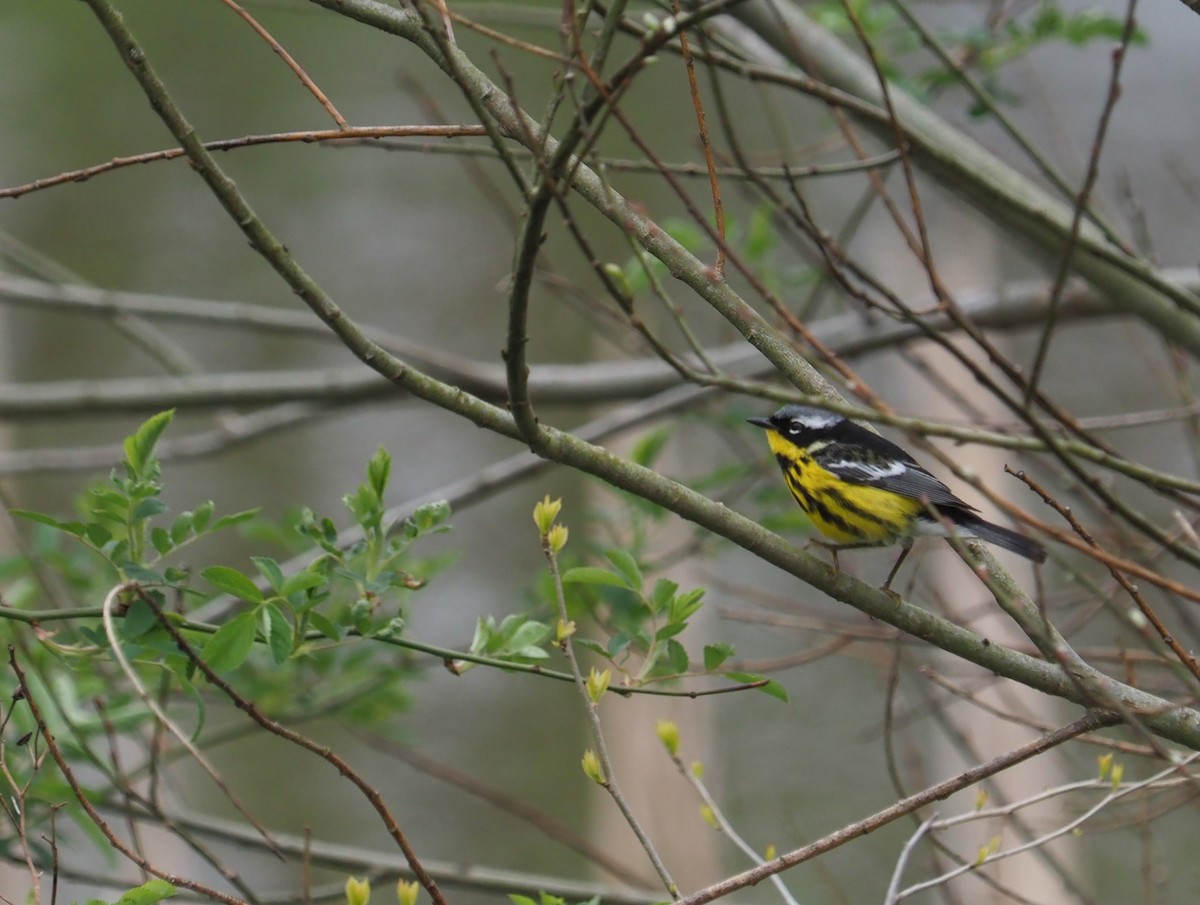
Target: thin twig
[(248, 707), (859, 828), (608, 778), (291, 64), (84, 802)]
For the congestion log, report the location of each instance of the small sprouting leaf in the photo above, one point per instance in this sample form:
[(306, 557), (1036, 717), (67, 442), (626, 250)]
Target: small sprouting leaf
[(593, 575), (232, 643), (139, 447), (430, 517), (231, 581), (269, 569), (528, 636), (154, 890), (683, 606), (716, 654), (278, 632), (378, 469), (627, 565)]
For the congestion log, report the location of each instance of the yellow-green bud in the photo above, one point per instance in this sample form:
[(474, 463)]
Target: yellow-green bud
[(668, 734), (545, 512), (981, 799), (986, 851), (769, 853), (358, 892), (597, 684), (406, 891), (710, 816), (1105, 762), (620, 281), (556, 537), (697, 769), (591, 767), (564, 630), (1118, 773)]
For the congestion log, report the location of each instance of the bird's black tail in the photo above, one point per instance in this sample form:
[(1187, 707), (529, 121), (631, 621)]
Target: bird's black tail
[(1001, 537)]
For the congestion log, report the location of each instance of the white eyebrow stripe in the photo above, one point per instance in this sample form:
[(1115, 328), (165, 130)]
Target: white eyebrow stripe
[(872, 469), (816, 419)]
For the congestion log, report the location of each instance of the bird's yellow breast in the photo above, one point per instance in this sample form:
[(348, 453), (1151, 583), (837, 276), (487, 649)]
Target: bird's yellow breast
[(846, 513)]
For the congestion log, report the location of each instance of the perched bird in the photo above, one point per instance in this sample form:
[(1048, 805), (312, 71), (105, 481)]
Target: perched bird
[(861, 490)]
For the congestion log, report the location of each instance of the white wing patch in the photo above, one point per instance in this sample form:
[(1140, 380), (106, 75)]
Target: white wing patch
[(867, 471)]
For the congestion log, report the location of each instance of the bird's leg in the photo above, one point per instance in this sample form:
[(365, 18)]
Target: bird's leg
[(835, 548), (905, 549)]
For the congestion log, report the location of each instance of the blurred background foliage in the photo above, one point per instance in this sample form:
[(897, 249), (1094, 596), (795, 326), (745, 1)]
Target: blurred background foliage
[(416, 238)]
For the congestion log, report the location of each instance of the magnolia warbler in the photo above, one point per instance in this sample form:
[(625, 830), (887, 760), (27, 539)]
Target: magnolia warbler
[(861, 490)]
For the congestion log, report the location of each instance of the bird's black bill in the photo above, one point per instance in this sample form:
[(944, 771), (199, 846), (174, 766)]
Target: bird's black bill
[(761, 422)]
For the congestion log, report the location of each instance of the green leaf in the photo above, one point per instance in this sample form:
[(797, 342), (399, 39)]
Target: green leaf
[(148, 893), (648, 447), (139, 573), (278, 632), (530, 634), (325, 626), (670, 630), (677, 657), (232, 643), (301, 581), (760, 234), (269, 569), (139, 448), (97, 534), (148, 508), (181, 527), (617, 644), (664, 590), (161, 541), (139, 619), (430, 516), (521, 900), (75, 528), (593, 575), (685, 605), (627, 565), (773, 688), (203, 513), (227, 521), (231, 581), (716, 654), (594, 646)]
